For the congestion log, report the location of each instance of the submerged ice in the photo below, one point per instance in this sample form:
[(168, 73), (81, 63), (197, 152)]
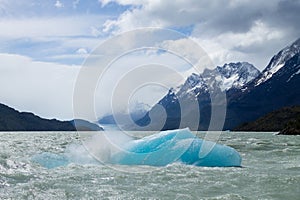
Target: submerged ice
[(159, 149)]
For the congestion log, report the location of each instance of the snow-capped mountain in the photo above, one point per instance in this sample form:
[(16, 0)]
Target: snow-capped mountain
[(194, 85), (250, 94), (275, 88), (198, 88), (278, 61), (231, 75)]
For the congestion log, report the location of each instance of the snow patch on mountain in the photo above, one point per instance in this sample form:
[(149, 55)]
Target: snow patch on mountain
[(268, 74), (231, 75), (227, 83), (278, 61), (236, 75), (296, 73), (194, 82)]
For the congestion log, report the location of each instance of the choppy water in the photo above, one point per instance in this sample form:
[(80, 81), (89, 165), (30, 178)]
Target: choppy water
[(271, 171)]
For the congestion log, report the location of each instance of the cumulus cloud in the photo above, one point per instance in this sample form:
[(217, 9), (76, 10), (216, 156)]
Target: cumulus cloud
[(250, 30), (217, 15), (255, 46)]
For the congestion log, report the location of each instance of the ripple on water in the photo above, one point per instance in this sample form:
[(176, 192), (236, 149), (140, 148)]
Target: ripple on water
[(271, 172)]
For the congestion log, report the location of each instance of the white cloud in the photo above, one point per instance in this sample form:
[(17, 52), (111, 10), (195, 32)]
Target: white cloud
[(130, 20), (145, 70), (124, 2), (64, 58), (82, 51), (43, 88), (233, 47), (47, 88), (227, 30), (58, 4), (230, 30), (189, 49), (47, 38), (49, 27)]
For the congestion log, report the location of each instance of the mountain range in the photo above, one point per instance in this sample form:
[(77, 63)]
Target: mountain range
[(138, 111), (250, 93)]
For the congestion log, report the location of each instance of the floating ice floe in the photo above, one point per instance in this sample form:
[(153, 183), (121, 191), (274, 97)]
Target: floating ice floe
[(159, 149)]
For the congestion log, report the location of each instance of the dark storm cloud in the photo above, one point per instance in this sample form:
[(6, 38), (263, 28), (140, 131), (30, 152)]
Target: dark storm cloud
[(237, 19), (277, 25), (283, 17), (287, 15), (240, 16)]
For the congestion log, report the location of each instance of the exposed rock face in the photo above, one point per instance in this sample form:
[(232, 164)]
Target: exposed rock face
[(250, 94)]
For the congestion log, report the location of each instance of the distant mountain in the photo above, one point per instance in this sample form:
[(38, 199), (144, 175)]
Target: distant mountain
[(278, 61), (250, 94), (198, 88), (83, 125), (232, 75), (276, 87), (13, 120), (139, 110), (274, 121)]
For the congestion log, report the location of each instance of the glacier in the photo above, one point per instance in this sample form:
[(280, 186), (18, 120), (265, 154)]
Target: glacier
[(160, 149)]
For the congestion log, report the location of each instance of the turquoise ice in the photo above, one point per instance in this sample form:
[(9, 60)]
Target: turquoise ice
[(159, 149), (176, 146)]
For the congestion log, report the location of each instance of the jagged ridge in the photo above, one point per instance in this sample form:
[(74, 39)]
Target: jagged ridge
[(246, 99)]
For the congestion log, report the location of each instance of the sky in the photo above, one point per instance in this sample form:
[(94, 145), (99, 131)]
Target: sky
[(44, 43)]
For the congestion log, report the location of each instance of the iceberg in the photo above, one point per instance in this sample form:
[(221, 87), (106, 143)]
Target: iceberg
[(159, 149), (179, 145)]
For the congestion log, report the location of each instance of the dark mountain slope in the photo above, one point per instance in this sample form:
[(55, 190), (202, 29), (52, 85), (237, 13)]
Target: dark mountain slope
[(249, 94), (13, 120), (275, 121), (281, 90)]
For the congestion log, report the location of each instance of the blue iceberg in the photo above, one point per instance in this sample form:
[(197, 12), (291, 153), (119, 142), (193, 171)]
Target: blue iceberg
[(176, 146), (159, 149)]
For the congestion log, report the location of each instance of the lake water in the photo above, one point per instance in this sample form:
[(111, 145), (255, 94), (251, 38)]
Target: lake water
[(271, 170)]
